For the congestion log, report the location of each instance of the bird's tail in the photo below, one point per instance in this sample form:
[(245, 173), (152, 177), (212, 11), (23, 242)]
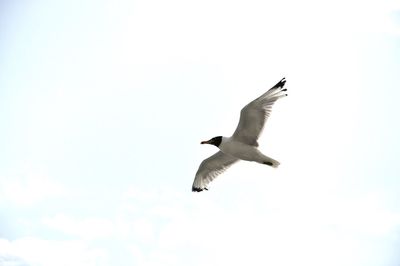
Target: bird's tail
[(270, 162)]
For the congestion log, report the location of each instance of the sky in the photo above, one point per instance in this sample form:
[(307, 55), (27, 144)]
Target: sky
[(103, 105)]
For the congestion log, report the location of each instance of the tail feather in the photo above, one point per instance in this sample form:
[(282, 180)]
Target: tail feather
[(270, 162)]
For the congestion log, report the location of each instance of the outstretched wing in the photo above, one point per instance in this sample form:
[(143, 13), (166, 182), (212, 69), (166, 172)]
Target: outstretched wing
[(254, 115), (210, 168)]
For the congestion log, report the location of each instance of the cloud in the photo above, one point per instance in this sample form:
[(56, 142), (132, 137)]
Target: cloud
[(40, 252), (204, 229), (29, 188), (9, 260), (170, 227), (86, 228)]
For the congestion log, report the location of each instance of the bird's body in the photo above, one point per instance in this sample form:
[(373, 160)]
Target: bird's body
[(242, 145), (244, 151)]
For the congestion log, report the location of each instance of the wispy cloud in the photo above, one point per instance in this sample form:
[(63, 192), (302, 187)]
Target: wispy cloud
[(29, 188), (86, 228), (36, 251), (152, 225)]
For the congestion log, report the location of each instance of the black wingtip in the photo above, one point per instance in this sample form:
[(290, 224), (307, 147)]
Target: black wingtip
[(197, 189), (280, 84)]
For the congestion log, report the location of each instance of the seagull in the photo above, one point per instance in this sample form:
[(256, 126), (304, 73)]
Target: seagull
[(242, 145)]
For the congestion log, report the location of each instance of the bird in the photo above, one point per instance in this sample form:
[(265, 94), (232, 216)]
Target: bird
[(242, 145)]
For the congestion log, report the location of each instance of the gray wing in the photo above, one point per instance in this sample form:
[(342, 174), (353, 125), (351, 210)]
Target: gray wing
[(210, 168), (254, 115)]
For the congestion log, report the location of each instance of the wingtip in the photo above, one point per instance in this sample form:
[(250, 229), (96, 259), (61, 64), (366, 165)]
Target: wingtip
[(197, 189), (281, 83)]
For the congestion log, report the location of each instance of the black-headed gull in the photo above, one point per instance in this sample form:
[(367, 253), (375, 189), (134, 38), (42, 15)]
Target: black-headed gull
[(242, 145)]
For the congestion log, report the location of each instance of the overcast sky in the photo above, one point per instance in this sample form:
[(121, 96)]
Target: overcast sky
[(103, 105)]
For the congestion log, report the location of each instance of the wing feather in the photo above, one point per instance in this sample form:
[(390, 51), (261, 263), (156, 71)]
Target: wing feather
[(210, 168), (254, 115)]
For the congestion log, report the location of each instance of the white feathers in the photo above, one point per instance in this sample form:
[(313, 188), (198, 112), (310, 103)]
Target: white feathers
[(210, 168), (254, 115)]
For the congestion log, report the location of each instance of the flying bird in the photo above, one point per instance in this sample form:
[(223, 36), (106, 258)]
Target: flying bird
[(242, 145)]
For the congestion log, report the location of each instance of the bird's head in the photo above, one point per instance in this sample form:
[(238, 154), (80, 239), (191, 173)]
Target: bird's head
[(214, 141)]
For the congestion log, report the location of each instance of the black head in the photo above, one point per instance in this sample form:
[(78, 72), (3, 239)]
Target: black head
[(216, 141)]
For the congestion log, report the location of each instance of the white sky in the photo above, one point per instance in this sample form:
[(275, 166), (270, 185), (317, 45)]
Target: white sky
[(103, 105)]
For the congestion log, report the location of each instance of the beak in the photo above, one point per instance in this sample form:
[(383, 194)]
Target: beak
[(205, 142)]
